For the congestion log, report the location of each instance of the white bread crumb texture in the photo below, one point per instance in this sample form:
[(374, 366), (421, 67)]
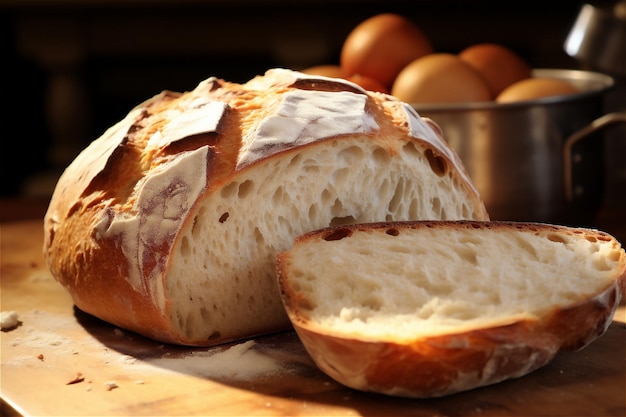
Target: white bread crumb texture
[(230, 245), (382, 284)]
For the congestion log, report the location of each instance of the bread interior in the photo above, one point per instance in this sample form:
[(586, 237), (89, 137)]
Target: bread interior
[(400, 283), (225, 255)]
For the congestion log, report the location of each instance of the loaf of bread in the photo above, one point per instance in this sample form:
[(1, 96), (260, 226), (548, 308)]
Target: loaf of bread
[(427, 309), (168, 224)]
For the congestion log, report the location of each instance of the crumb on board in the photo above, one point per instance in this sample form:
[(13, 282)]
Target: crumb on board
[(110, 385), (9, 320), (78, 378)]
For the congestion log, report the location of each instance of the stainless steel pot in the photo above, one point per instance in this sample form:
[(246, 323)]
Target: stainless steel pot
[(539, 160)]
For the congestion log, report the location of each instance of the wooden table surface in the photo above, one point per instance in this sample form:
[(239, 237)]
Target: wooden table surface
[(61, 361)]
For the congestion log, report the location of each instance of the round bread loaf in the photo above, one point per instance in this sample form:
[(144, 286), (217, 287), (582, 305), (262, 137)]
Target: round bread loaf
[(168, 224)]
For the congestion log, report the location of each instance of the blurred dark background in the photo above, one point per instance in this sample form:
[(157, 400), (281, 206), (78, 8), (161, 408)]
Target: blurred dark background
[(72, 68)]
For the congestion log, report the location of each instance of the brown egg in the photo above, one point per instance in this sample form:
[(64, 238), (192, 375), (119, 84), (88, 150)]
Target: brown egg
[(534, 88), (379, 47), (440, 78), (326, 70), (499, 66)]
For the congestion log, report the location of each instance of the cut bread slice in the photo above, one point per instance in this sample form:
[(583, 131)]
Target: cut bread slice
[(426, 309)]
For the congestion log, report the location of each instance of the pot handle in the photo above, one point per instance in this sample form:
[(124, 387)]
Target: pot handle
[(598, 124)]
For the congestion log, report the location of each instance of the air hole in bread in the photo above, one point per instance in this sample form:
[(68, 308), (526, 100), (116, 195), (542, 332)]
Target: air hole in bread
[(337, 234), (392, 231), (194, 224), (558, 238), (294, 162), (340, 176), (229, 190), (383, 189), (342, 220), (245, 188), (436, 205), (411, 150), (399, 196), (185, 247), (258, 236), (470, 240), (311, 169), (468, 254), (224, 217), (381, 156), (350, 155), (591, 239), (526, 246), (601, 264), (326, 197), (437, 164), (466, 211), (278, 197), (415, 208), (337, 208)]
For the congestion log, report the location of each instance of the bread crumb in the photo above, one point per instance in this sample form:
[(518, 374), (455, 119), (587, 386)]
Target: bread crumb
[(78, 378), (40, 357), (110, 385), (9, 320)]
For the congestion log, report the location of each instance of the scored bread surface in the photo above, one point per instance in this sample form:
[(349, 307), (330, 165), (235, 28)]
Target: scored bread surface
[(425, 309), (169, 223)]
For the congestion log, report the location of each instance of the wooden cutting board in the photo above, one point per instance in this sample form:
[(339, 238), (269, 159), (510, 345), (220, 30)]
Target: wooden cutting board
[(61, 361)]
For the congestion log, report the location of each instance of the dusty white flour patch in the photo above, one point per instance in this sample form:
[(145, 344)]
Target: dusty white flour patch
[(63, 342), (47, 334), (240, 361)]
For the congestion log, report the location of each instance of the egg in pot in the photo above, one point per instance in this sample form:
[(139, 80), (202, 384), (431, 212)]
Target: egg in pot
[(440, 78), (379, 47), (498, 65), (535, 88)]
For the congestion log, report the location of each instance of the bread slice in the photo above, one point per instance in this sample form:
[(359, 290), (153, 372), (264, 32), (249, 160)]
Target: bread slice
[(426, 309), (168, 224)]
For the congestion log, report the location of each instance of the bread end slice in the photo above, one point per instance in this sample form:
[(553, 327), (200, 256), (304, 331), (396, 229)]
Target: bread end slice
[(427, 309)]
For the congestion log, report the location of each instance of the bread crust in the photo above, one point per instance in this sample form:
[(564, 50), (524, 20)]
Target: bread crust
[(435, 366), (444, 365), (117, 214)]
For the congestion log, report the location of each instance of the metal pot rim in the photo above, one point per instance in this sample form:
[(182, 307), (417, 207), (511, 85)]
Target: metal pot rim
[(591, 83)]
